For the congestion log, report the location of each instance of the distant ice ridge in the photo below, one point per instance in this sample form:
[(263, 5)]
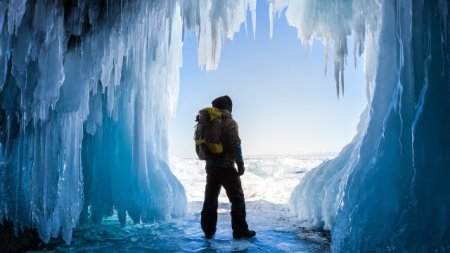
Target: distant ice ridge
[(267, 178), (87, 88)]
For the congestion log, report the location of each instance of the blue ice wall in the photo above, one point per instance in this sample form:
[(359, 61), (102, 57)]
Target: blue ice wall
[(389, 190), (86, 92)]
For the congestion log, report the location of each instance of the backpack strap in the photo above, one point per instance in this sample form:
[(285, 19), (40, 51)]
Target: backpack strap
[(213, 147)]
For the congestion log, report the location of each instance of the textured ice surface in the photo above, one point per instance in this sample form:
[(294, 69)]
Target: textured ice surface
[(185, 235), (388, 189), (277, 229), (87, 88)]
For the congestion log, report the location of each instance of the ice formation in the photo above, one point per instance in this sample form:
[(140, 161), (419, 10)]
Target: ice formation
[(87, 87), (86, 91), (388, 189)]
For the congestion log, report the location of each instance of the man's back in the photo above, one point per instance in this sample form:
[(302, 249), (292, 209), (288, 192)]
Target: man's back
[(229, 138), (220, 171)]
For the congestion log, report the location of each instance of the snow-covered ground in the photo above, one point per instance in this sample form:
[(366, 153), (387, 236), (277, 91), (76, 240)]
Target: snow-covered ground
[(267, 184)]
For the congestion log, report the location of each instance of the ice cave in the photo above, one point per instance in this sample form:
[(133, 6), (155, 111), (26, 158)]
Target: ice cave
[(87, 89)]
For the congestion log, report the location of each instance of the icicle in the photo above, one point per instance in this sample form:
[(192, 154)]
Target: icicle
[(3, 11), (336, 76), (16, 9), (252, 7), (342, 79), (271, 15), (327, 50), (355, 48)]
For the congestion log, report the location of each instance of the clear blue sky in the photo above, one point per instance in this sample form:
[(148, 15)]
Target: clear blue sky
[(282, 100)]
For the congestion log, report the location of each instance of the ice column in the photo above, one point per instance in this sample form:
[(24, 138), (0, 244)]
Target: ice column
[(86, 92), (388, 189)]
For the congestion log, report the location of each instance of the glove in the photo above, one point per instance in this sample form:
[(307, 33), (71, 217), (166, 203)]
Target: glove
[(241, 169)]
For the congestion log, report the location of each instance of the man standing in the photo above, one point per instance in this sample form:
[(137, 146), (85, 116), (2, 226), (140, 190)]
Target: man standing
[(220, 171)]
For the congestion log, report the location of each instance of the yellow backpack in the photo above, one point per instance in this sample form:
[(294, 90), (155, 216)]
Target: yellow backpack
[(208, 132)]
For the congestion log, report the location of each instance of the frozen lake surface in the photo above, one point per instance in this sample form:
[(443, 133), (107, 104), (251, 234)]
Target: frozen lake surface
[(267, 184)]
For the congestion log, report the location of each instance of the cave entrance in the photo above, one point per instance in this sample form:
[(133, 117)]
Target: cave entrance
[(290, 121), (290, 118)]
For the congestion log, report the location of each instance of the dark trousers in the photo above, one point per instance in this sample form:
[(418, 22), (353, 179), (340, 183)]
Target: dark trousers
[(229, 179)]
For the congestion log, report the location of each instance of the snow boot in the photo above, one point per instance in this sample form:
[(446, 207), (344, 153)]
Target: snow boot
[(246, 234)]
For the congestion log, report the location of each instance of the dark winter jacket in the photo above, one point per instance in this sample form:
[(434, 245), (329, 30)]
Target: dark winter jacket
[(231, 142)]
